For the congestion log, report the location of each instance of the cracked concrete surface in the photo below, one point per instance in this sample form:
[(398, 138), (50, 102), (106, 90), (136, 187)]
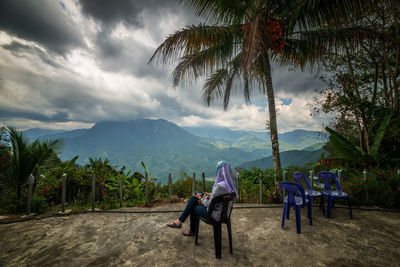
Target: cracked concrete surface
[(134, 239)]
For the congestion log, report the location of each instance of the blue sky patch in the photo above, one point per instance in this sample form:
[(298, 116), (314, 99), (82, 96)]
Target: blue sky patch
[(286, 101)]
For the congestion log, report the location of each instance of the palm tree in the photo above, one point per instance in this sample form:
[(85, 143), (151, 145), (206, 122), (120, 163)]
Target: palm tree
[(246, 34), (25, 158), (101, 167)]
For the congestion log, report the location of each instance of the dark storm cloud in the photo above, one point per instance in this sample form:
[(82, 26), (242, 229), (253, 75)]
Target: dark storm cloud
[(127, 56), (111, 12), (21, 50), (40, 21), (7, 113), (127, 11), (131, 56), (294, 82)]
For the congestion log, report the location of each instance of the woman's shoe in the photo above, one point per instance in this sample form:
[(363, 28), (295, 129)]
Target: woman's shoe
[(174, 225), (187, 234)]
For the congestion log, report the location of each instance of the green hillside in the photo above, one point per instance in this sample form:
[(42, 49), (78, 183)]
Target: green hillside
[(255, 141), (294, 157)]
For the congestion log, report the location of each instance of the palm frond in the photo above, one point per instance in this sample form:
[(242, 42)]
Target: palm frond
[(311, 13), (219, 11), (202, 63), (220, 82), (193, 39)]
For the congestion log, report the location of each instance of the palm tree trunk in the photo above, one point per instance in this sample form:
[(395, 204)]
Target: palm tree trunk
[(273, 128)]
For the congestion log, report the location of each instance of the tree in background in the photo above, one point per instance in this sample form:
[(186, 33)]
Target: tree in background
[(363, 84), (245, 35)]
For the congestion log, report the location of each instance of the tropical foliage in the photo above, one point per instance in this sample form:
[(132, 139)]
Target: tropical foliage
[(24, 158), (346, 150)]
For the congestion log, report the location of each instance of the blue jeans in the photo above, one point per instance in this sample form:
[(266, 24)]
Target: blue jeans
[(193, 209)]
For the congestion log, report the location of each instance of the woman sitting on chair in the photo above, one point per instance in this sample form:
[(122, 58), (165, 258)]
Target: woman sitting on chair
[(224, 184)]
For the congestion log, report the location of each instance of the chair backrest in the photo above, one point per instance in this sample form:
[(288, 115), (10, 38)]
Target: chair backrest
[(298, 176), (326, 176), (293, 189), (227, 205)]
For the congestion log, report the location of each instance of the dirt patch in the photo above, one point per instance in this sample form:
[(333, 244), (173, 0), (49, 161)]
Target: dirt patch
[(132, 239)]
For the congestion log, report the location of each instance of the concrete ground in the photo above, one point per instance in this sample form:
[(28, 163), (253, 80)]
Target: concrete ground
[(136, 239)]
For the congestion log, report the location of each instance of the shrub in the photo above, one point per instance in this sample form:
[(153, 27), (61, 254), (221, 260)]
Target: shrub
[(39, 204)]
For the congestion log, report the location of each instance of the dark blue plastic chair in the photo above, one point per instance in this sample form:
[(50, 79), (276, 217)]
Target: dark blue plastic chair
[(295, 198), (311, 194), (333, 194)]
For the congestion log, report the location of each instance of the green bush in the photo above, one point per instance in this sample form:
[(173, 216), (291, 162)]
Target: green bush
[(39, 204)]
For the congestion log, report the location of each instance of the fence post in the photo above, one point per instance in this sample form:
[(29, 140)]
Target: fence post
[(238, 185), (366, 184), (194, 183), (146, 193), (204, 181), (339, 174), (93, 191), (260, 189), (312, 178), (284, 179), (31, 180), (169, 187), (120, 189), (63, 192)]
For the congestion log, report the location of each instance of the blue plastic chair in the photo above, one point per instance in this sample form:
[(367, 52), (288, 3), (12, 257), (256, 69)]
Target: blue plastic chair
[(293, 200), (333, 194), (310, 193)]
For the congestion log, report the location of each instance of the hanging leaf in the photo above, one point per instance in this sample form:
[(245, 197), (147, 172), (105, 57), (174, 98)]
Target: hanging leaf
[(344, 147), (379, 136)]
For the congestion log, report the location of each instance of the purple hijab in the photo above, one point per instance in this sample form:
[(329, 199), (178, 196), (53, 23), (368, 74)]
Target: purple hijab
[(225, 177)]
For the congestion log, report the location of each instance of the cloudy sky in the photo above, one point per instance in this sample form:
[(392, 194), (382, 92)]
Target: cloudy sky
[(69, 64)]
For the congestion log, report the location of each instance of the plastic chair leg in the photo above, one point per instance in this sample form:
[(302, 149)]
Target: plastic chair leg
[(197, 230), (287, 211), (217, 240), (228, 225), (330, 202), (298, 219), (309, 209), (285, 207), (349, 203)]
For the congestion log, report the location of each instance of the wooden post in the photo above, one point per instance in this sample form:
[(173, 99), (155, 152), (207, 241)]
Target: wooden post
[(284, 179), (120, 189), (169, 187), (204, 181), (312, 178), (366, 184), (339, 175), (146, 193), (194, 183), (63, 191), (31, 180), (93, 191), (260, 189), (238, 185)]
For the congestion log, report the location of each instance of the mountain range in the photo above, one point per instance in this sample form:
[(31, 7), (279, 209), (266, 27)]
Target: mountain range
[(167, 148)]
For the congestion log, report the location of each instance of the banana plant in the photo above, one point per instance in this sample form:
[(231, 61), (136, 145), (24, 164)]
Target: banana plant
[(348, 151)]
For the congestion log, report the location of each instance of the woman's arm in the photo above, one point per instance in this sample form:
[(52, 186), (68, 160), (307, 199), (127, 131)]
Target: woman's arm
[(217, 191)]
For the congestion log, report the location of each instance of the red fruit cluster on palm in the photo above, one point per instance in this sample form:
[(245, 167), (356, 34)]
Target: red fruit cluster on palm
[(276, 28)]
